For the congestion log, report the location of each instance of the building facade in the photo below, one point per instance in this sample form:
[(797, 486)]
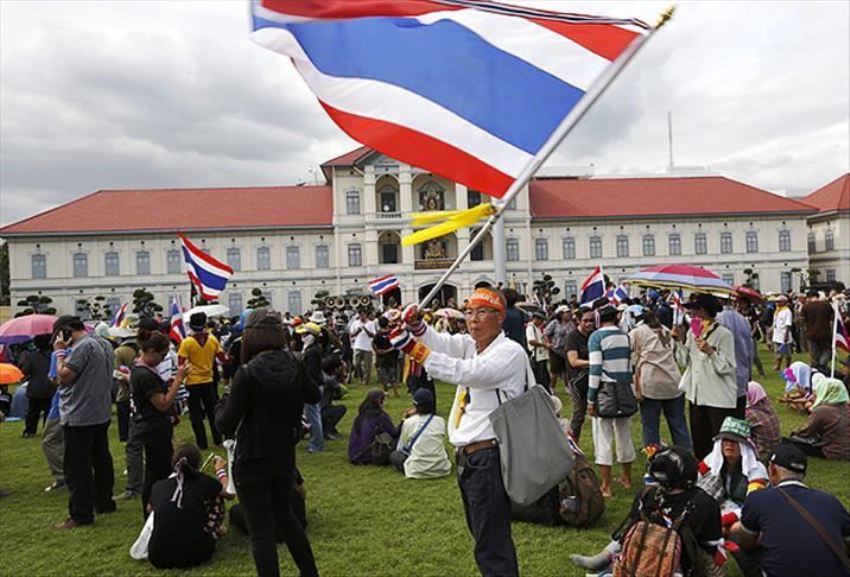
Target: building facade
[(829, 231), (292, 242)]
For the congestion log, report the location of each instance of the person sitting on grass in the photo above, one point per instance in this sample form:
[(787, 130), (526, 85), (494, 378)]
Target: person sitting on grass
[(673, 496), (373, 434), (799, 379), (421, 452), (826, 433), (188, 509), (331, 389), (764, 422)]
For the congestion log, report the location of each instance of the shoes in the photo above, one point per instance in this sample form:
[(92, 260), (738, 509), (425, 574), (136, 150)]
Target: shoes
[(26, 435), (110, 507), (66, 524), (330, 437), (55, 485), (127, 495)]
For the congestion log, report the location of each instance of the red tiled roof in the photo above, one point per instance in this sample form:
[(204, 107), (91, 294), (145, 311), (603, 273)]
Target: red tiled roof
[(832, 196), (184, 209), (349, 158), (644, 197)]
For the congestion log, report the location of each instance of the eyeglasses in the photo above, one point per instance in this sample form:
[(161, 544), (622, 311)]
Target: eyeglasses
[(478, 313)]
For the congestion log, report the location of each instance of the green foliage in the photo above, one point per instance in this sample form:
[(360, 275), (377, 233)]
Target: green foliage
[(319, 298), (144, 304), (5, 292), (94, 309), (545, 289), (363, 521), (36, 305), (258, 299)]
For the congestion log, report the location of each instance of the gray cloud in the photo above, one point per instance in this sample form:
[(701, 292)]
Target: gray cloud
[(131, 95)]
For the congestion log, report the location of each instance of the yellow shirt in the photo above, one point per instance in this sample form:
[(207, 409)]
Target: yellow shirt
[(202, 359)]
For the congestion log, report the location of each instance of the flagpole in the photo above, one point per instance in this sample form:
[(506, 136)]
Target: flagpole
[(564, 128), (834, 339)]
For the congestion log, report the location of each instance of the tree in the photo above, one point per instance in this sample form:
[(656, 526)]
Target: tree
[(545, 289), (752, 279), (36, 305), (258, 299), (319, 298), (5, 292), (95, 310), (144, 304)]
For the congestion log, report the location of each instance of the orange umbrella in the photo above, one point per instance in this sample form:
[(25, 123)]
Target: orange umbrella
[(10, 374)]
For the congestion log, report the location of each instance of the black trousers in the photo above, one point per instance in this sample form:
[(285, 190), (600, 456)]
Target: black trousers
[(37, 408), (88, 471), (122, 411), (202, 400), (331, 415), (268, 513), (158, 451), (705, 424), (488, 512)]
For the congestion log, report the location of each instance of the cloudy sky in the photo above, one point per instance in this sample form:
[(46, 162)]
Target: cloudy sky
[(98, 95)]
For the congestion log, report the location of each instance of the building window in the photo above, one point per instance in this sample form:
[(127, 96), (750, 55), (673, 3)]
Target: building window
[(268, 296), (143, 262), (700, 243), (830, 275), (293, 299), (81, 264), (112, 305), (172, 259), (755, 282), (352, 202), (473, 198), (674, 244), (784, 241), (264, 258), (596, 247), (234, 301), (828, 240), (622, 245), (512, 249), (648, 245), (388, 200), (355, 254), (570, 289), (785, 281), (110, 264), (728, 278), (812, 240), (293, 257), (569, 246), (389, 253), (81, 310), (322, 256), (752, 241), (725, 243), (234, 258), (541, 249), (39, 265)]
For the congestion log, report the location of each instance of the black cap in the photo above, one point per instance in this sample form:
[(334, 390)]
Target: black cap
[(706, 302), (673, 468), (789, 456), (69, 321), (264, 318), (148, 324), (198, 321)]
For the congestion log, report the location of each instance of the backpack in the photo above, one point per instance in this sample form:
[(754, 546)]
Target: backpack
[(381, 447), (580, 501), (651, 549)]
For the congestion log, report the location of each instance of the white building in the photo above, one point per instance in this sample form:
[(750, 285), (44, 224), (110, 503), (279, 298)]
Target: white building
[(294, 241), (829, 231)]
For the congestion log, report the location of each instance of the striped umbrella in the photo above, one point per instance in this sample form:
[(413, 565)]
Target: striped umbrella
[(674, 276), (21, 329)]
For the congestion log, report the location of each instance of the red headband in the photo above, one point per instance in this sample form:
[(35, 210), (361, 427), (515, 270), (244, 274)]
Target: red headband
[(487, 298)]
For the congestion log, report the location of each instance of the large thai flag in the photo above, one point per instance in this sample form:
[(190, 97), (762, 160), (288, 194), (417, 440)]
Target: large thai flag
[(467, 89), (383, 284), (207, 274), (120, 315), (593, 287), (842, 339), (178, 329)]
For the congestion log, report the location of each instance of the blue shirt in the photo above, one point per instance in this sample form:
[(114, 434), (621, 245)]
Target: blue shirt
[(740, 329), (791, 547)]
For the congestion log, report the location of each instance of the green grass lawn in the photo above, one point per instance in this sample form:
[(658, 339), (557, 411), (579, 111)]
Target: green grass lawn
[(362, 520)]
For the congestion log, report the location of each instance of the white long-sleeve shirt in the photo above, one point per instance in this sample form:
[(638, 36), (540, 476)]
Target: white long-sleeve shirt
[(499, 372)]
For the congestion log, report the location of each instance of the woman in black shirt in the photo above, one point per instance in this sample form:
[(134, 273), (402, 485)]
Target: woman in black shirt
[(152, 399)]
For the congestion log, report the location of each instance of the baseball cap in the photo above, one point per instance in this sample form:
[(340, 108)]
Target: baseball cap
[(789, 456)]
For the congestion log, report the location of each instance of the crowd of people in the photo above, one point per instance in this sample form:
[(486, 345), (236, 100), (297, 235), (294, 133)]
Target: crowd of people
[(727, 483)]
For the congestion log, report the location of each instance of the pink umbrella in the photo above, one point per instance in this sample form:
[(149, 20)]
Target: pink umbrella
[(21, 329), (694, 278)]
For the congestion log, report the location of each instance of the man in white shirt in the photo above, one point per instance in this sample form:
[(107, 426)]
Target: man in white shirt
[(488, 369), (538, 348), (362, 331), (782, 321)]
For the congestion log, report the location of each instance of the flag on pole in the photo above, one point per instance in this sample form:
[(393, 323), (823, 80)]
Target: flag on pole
[(618, 295), (120, 315), (842, 339), (467, 89), (593, 287), (678, 307), (207, 274), (383, 284), (178, 330)]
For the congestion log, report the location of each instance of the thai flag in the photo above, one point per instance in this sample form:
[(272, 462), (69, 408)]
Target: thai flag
[(178, 330), (467, 89), (206, 273), (120, 315), (618, 295), (678, 307), (842, 339), (381, 285), (593, 287)]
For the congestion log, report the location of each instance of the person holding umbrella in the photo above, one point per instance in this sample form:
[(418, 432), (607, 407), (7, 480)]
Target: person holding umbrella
[(708, 352)]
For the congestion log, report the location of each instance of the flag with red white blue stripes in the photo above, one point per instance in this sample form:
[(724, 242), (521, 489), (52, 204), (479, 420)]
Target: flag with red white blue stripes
[(120, 315), (383, 284), (842, 339), (467, 89), (178, 329), (208, 275), (593, 287)]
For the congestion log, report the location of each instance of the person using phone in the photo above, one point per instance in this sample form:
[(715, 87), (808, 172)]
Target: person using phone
[(85, 403)]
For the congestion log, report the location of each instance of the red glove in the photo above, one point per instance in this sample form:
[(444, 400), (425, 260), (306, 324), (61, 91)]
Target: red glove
[(402, 340), (728, 519), (413, 319)]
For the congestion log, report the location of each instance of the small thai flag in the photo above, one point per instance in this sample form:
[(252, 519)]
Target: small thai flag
[(381, 285), (178, 331), (842, 339), (618, 295), (120, 314), (209, 275), (593, 287), (678, 307)]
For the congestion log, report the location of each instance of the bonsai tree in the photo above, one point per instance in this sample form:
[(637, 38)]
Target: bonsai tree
[(144, 304), (36, 305), (545, 289), (258, 299)]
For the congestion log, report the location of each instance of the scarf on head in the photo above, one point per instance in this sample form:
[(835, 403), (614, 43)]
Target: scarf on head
[(830, 392), (798, 375), (755, 393), (750, 465)]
